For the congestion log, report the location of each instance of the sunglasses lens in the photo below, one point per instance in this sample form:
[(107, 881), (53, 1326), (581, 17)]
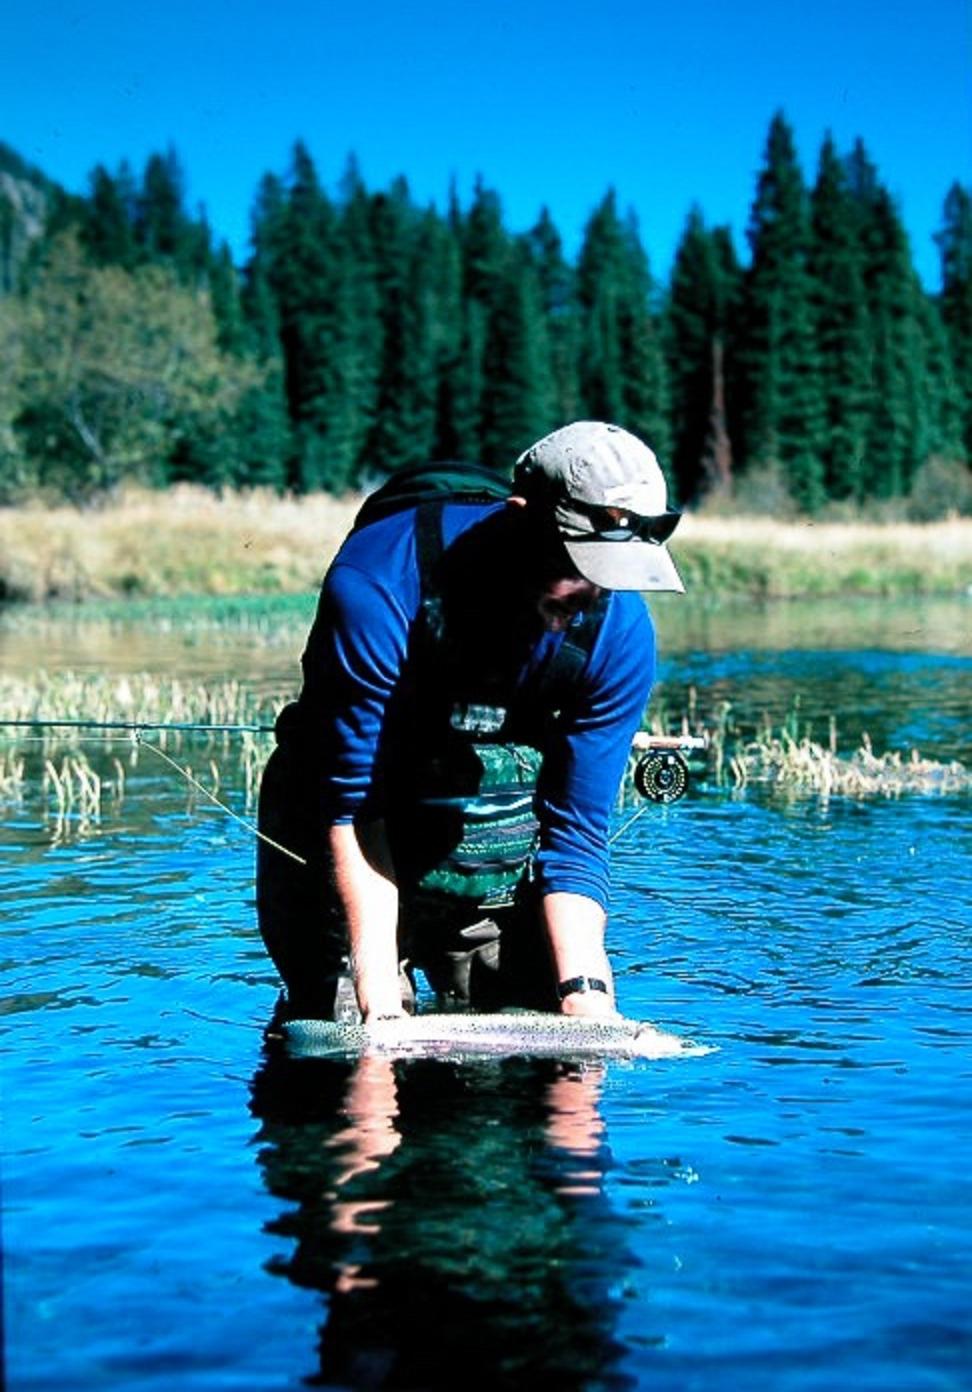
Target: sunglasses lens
[(612, 528), (659, 529), (615, 524)]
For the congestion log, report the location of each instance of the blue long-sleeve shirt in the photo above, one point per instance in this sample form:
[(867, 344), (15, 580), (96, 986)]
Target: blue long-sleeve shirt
[(364, 713)]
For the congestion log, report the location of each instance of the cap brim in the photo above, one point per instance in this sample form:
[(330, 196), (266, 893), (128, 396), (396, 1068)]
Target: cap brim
[(625, 565)]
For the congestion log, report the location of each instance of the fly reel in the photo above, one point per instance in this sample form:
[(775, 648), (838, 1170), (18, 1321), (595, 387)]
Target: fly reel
[(661, 775)]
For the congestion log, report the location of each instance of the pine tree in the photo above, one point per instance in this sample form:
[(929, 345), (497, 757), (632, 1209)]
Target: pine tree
[(456, 423), (359, 333), (704, 285), (518, 388), (646, 410), (622, 372), (264, 421), (405, 246), (225, 298), (781, 406), (299, 249), (162, 226), (254, 441), (912, 398), (600, 287), (556, 280), (955, 244), (108, 229), (485, 243), (840, 321), (483, 246)]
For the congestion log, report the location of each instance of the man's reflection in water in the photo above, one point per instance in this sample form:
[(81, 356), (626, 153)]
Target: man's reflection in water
[(453, 1215)]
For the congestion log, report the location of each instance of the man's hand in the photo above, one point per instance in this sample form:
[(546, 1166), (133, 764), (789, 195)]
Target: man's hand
[(590, 1004), (575, 932), (365, 885)]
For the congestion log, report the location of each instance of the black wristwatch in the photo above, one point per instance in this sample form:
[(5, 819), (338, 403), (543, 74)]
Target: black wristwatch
[(580, 985)]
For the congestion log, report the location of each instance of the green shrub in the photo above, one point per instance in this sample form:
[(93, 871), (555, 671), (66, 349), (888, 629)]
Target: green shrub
[(941, 488)]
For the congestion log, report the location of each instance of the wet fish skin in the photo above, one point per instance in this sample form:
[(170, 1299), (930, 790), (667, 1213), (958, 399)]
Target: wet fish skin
[(508, 1033)]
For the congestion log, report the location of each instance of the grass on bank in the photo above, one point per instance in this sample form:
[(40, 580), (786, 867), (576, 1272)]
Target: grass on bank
[(189, 542)]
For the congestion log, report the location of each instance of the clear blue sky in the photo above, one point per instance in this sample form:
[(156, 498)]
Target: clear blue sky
[(551, 102)]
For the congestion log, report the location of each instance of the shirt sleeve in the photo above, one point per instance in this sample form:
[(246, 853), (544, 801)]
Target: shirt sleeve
[(353, 663), (587, 757)]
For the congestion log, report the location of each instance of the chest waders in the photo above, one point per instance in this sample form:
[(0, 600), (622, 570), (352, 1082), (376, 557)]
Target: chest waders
[(476, 830)]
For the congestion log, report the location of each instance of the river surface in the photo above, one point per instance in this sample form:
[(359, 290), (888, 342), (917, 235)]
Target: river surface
[(184, 1209)]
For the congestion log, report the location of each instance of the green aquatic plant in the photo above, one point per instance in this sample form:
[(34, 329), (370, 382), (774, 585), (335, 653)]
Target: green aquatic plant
[(139, 698), (804, 765), (267, 620), (788, 757), (218, 736), (213, 735), (11, 777)]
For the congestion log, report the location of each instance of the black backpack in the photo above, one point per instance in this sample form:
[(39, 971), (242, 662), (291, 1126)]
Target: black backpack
[(445, 481), (429, 487)]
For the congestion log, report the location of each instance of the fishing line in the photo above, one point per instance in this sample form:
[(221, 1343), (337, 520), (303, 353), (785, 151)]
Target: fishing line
[(659, 777), (136, 725), (630, 822), (146, 744), (135, 729)]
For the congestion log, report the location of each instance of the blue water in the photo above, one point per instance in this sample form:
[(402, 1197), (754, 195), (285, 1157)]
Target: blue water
[(183, 1209)]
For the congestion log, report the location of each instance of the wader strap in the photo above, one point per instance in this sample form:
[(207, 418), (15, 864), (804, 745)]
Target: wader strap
[(429, 546), (563, 671)]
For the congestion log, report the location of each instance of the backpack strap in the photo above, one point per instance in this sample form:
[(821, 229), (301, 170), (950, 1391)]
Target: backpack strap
[(564, 670), (429, 545)]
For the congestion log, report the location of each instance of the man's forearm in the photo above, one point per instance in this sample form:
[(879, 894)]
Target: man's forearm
[(574, 926), (366, 888)]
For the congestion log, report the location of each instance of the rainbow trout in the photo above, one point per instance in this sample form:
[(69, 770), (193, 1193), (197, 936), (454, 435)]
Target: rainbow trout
[(533, 1034)]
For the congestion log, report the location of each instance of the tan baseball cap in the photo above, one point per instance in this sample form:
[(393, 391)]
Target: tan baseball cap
[(610, 503)]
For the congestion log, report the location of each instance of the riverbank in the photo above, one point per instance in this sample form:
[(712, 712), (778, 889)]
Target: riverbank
[(187, 541)]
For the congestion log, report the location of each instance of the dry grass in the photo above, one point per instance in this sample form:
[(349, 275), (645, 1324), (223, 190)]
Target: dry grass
[(186, 541), (786, 559)]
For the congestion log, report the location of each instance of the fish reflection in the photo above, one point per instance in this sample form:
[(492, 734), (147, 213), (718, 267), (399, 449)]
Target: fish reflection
[(453, 1216)]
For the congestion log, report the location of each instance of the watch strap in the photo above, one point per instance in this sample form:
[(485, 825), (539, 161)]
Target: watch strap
[(580, 985)]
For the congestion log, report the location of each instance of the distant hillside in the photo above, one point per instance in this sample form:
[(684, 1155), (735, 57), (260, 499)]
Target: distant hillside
[(25, 197)]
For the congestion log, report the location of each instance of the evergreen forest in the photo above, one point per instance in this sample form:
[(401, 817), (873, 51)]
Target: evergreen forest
[(365, 332)]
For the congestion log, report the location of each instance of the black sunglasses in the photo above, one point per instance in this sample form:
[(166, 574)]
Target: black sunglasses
[(617, 524)]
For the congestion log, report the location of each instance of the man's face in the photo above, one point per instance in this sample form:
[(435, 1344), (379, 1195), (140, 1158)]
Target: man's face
[(560, 601)]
